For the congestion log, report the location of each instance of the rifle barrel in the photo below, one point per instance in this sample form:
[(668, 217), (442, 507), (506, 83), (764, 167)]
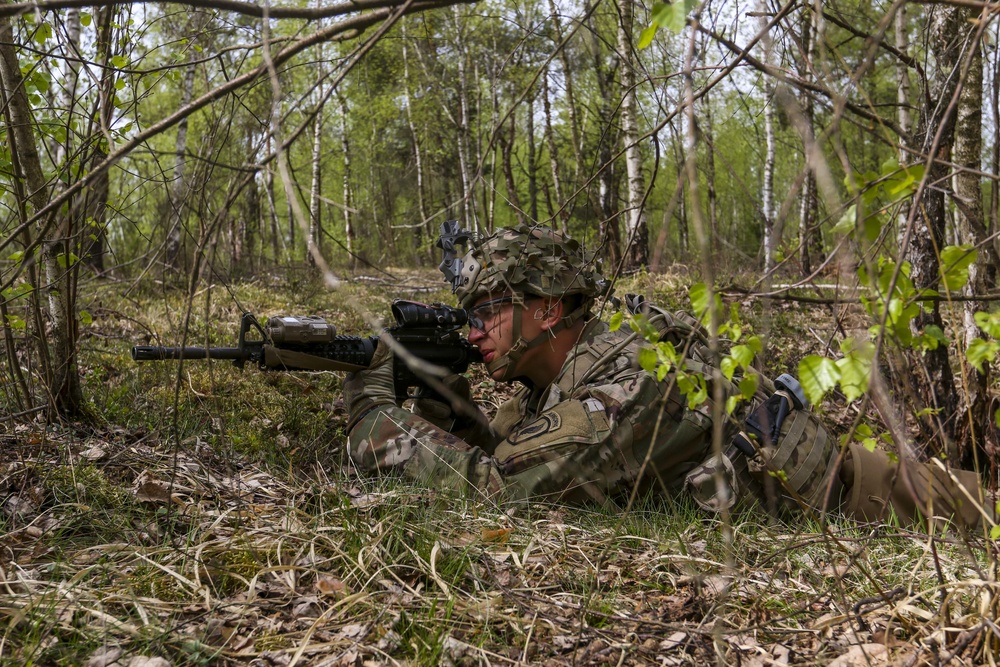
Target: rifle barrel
[(155, 353)]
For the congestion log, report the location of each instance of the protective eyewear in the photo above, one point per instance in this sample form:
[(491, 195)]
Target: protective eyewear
[(486, 311)]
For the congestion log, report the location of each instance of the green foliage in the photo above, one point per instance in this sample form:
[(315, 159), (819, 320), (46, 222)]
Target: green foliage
[(819, 375), (876, 194), (672, 16), (955, 262), (898, 300), (981, 351)]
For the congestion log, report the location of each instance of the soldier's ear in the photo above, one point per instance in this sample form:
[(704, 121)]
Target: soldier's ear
[(550, 312)]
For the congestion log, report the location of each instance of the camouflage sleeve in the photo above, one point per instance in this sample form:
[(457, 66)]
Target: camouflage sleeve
[(604, 440), (393, 439)]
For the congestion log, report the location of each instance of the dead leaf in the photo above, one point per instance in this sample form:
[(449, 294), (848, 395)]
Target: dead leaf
[(93, 454), (366, 500), (152, 492), (103, 656), (147, 661), (673, 641), (500, 535), (332, 586), (307, 606), (862, 654), (18, 506), (782, 654), (710, 584), (353, 631)]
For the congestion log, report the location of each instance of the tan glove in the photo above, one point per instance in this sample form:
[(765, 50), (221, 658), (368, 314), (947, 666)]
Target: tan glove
[(373, 387), (460, 415), (444, 414)]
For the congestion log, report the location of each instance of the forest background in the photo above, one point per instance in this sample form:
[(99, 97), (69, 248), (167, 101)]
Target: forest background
[(836, 158)]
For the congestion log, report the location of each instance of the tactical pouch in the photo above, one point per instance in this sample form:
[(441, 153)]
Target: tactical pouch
[(787, 453)]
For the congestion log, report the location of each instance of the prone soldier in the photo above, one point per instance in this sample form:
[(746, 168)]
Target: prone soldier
[(588, 424)]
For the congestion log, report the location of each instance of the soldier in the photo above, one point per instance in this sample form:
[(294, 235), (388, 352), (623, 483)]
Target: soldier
[(588, 424)]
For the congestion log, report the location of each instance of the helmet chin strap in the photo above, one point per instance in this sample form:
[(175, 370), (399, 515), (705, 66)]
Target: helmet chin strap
[(508, 360)]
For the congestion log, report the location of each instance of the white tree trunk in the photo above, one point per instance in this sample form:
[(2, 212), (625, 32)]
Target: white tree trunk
[(463, 120), (636, 216), (903, 106), (768, 192), (315, 210), (550, 141), (345, 147), (417, 156)]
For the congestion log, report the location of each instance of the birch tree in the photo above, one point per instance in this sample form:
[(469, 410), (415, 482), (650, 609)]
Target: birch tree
[(637, 233), (973, 229)]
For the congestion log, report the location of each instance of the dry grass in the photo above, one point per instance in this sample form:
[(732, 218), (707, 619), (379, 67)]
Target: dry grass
[(223, 526)]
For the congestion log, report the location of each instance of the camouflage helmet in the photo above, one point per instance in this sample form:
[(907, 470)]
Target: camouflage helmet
[(528, 260)]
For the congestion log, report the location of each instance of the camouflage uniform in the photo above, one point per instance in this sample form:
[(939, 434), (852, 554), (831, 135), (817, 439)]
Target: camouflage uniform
[(605, 425), (572, 441)]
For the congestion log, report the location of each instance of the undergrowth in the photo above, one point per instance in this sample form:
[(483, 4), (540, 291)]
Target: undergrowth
[(211, 517)]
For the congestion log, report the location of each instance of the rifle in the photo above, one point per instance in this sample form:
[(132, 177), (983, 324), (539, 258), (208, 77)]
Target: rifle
[(431, 333)]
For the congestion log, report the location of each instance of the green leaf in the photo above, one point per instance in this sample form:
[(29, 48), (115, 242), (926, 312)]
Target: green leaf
[(85, 19), (661, 372), (700, 297), (119, 61), (119, 84), (17, 291), (873, 227), (662, 14), (16, 323), (743, 355), (955, 262), (731, 404), (672, 16), (85, 318), (889, 166), (989, 323), (980, 351), (65, 261), (646, 37), (855, 373), (994, 532), (748, 385), (728, 365), (870, 444), (648, 359), (698, 293), (16, 256), (641, 325), (818, 376), (906, 184), (848, 221), (616, 321), (43, 33)]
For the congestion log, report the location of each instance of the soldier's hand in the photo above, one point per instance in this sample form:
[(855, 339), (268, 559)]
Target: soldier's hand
[(457, 413), (371, 388), (443, 414)]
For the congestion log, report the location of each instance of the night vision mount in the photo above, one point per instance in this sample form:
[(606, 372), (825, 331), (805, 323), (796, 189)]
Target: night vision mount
[(451, 264)]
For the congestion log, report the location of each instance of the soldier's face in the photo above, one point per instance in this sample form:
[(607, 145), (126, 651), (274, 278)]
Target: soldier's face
[(492, 325)]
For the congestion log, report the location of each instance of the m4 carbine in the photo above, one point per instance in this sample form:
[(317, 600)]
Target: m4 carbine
[(430, 333)]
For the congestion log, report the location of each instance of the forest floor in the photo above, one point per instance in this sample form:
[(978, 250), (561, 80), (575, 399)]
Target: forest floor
[(208, 516)]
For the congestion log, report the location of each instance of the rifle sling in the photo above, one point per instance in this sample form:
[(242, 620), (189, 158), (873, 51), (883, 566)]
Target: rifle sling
[(277, 359)]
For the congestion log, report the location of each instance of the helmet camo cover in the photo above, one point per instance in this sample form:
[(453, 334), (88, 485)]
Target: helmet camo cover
[(528, 260)]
